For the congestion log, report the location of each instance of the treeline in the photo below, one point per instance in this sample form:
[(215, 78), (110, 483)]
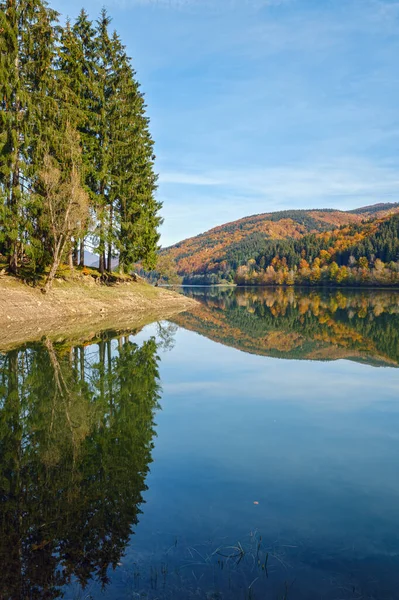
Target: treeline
[(76, 153), (355, 254)]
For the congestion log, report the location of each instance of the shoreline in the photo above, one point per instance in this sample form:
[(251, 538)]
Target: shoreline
[(80, 309), (394, 288)]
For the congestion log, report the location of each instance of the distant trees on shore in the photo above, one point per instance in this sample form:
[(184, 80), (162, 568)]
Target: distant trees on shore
[(76, 153), (366, 254)]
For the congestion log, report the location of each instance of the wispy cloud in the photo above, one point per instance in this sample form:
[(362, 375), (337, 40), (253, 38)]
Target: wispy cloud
[(340, 179), (255, 104), (210, 4), (197, 201)]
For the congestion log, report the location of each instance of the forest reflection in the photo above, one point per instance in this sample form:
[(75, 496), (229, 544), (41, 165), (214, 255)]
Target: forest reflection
[(300, 323), (76, 435)]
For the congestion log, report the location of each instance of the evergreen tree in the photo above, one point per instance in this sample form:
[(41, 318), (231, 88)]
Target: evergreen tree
[(133, 178), (57, 85), (89, 103), (26, 42)]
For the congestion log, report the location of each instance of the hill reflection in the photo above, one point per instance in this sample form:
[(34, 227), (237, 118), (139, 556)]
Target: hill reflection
[(299, 324)]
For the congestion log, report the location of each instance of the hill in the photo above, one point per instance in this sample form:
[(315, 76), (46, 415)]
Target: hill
[(242, 251)]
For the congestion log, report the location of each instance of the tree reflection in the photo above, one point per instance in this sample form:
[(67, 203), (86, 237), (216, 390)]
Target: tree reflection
[(295, 323), (76, 435)]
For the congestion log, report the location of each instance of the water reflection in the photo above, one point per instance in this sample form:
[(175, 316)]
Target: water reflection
[(271, 478), (294, 324), (76, 435)]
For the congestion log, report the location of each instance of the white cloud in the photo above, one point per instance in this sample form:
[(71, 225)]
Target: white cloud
[(196, 201), (189, 178), (339, 179), (213, 5)]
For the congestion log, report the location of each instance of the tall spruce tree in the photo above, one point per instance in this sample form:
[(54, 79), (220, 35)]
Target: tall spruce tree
[(62, 84), (89, 102), (132, 195), (72, 76), (104, 74), (27, 31)]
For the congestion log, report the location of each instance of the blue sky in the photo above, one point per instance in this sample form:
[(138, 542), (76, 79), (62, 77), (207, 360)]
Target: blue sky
[(261, 105)]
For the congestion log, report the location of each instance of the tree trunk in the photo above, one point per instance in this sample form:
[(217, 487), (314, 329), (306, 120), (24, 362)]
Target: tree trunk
[(15, 185), (50, 276), (59, 249), (75, 254), (111, 217), (109, 259), (13, 260), (82, 363), (101, 265), (82, 253), (70, 260)]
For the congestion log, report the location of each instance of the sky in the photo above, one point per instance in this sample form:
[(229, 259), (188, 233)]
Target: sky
[(263, 105)]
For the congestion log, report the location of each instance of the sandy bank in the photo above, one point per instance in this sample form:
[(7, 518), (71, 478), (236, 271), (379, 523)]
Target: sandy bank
[(71, 309)]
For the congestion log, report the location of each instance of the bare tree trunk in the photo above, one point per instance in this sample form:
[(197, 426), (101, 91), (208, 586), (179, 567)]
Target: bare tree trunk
[(50, 277), (56, 263)]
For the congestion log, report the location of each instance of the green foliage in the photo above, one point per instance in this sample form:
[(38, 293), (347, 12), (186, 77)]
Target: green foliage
[(56, 79)]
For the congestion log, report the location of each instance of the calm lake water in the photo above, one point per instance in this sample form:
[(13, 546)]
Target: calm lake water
[(247, 450)]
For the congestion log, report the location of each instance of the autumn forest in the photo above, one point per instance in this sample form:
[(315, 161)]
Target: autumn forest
[(358, 247)]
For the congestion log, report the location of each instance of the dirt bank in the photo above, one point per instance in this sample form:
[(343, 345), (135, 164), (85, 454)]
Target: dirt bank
[(72, 308)]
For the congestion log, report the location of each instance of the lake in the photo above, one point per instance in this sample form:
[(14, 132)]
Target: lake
[(246, 450)]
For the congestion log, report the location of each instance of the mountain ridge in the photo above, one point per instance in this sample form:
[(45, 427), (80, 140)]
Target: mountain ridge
[(382, 207), (216, 254)]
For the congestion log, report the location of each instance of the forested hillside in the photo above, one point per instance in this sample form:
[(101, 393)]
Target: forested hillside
[(307, 247), (76, 154)]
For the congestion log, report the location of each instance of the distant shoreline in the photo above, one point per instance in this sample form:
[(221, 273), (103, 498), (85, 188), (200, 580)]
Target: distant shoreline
[(286, 287)]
